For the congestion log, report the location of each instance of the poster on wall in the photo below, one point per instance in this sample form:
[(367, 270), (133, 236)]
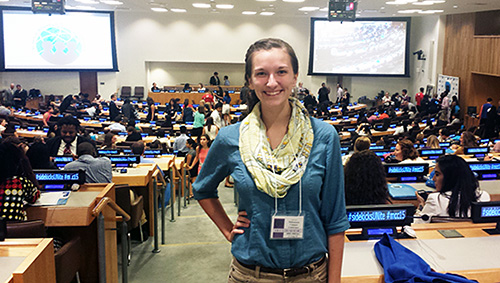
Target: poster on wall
[(448, 83)]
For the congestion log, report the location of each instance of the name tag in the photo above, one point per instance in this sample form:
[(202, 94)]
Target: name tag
[(287, 227)]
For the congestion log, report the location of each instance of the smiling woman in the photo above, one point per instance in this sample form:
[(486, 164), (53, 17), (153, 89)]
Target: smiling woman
[(288, 172)]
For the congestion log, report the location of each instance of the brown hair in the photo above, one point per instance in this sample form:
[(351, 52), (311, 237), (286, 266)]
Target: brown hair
[(409, 152), (362, 143)]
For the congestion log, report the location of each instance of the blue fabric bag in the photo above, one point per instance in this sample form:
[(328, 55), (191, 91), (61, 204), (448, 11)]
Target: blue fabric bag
[(402, 265)]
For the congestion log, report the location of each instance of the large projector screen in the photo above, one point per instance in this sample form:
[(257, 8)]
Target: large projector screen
[(75, 41), (366, 47)]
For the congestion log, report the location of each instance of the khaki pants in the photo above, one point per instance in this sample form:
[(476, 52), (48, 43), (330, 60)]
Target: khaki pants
[(238, 274)]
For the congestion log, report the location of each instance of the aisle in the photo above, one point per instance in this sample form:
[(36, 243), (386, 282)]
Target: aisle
[(195, 250)]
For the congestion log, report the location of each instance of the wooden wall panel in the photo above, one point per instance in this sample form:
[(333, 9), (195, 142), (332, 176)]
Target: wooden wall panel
[(474, 59)]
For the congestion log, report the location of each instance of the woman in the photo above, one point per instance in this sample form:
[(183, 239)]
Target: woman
[(365, 181), (187, 88), (201, 88), (432, 142), (201, 153), (362, 143), (109, 141), (47, 115), (15, 185), (189, 163), (456, 189), (151, 108), (467, 139), (275, 152), (210, 129), (199, 122), (405, 152), (187, 112)]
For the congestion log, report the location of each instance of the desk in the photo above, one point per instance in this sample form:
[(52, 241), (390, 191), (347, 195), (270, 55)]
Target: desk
[(164, 97), (481, 262), (140, 178), (27, 260), (75, 218), (31, 134)]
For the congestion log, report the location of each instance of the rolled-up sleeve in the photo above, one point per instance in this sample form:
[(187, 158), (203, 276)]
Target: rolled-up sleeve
[(333, 211)]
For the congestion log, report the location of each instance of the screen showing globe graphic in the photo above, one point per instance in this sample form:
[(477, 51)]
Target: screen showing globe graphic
[(58, 45)]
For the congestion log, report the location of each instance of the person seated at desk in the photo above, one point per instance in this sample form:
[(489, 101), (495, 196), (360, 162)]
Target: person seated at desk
[(109, 141), (97, 169), (467, 139), (405, 152), (432, 142), (201, 88), (15, 185), (365, 181), (456, 189), (46, 116), (68, 140), (187, 88), (38, 154), (180, 143), (133, 134), (155, 88), (117, 125)]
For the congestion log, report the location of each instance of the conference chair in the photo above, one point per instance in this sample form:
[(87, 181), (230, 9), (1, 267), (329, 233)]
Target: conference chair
[(67, 258), (126, 92), (133, 205), (138, 92)]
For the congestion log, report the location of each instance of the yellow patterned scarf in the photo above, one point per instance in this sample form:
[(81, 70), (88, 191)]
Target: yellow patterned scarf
[(274, 171)]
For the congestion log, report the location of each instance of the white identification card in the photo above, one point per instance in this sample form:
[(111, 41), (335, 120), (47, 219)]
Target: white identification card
[(287, 227)]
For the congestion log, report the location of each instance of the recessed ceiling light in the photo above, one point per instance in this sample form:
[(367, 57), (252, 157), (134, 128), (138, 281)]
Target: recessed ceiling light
[(324, 9), (85, 8), (409, 11), (266, 13), (438, 1), (431, 11), (308, 9), (224, 6), (266, 0), (201, 5), (112, 2), (397, 2), (249, 12), (176, 10), (159, 9), (424, 3), (4, 0), (455, 6), (294, 1)]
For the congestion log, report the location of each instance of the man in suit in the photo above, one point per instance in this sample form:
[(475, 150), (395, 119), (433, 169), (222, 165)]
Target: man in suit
[(214, 80), (20, 96), (113, 109), (68, 140)]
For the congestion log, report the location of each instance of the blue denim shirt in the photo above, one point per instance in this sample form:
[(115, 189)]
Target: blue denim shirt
[(322, 200)]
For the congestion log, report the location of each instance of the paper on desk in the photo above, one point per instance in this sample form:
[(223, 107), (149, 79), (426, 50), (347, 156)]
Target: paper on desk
[(52, 198)]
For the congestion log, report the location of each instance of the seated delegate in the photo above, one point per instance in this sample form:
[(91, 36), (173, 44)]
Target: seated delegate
[(97, 169), (456, 189)]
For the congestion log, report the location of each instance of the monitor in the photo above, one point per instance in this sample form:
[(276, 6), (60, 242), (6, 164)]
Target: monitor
[(55, 176), (379, 219), (477, 151), (109, 151), (487, 212), (408, 172), (57, 42), (388, 53), (124, 160), (485, 169), (431, 153), (151, 153), (62, 160)]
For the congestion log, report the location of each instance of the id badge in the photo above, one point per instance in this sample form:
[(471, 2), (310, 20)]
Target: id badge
[(287, 227)]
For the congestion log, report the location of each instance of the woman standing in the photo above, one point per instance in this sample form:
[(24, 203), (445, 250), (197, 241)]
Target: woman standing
[(201, 153), (210, 129), (199, 121), (151, 108), (189, 163), (456, 189), (187, 112), (283, 163)]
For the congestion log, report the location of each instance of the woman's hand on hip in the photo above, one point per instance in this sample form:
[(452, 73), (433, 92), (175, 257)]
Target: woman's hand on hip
[(241, 222)]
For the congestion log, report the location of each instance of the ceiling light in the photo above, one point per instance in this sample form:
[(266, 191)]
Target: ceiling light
[(4, 0), (397, 2), (324, 9), (266, 0), (431, 11), (424, 3), (112, 2), (308, 9), (266, 13), (85, 8), (201, 5), (176, 10), (409, 11), (224, 6), (159, 9), (249, 12), (294, 1)]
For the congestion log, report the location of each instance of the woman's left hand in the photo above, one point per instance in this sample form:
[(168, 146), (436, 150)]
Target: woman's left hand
[(420, 200)]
